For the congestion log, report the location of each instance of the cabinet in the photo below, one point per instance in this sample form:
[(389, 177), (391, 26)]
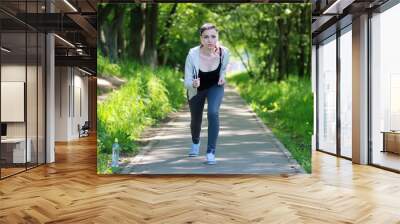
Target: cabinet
[(391, 141), (13, 150)]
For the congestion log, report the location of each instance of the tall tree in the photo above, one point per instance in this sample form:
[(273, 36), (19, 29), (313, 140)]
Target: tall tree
[(163, 50), (137, 31), (103, 11), (271, 40), (150, 50), (119, 30)]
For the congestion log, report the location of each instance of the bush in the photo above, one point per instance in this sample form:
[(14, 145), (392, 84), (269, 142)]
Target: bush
[(105, 68), (287, 109), (148, 96)]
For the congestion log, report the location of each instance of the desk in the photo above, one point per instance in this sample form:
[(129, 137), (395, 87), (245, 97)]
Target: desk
[(391, 141), (16, 147)]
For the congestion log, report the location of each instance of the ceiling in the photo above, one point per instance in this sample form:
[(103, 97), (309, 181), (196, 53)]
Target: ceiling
[(74, 22), (329, 14)]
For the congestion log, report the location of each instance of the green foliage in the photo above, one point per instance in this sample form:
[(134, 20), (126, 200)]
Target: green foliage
[(148, 96), (183, 33), (103, 164), (286, 107), (106, 68), (272, 40), (123, 69), (103, 161)]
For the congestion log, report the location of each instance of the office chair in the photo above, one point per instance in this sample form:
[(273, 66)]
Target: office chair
[(84, 130)]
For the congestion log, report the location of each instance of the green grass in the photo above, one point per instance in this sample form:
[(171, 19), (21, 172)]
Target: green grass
[(286, 107), (148, 96), (103, 164)]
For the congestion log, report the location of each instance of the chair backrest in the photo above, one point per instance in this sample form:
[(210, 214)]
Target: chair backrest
[(86, 125)]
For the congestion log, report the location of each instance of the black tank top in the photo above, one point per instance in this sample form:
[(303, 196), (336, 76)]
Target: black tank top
[(208, 79)]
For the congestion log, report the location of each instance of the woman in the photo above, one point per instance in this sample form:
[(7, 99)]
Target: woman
[(205, 70)]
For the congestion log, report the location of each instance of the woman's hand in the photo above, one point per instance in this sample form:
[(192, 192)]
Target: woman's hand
[(196, 82), (221, 82)]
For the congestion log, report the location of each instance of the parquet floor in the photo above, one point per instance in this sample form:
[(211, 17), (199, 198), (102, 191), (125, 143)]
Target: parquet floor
[(70, 191), (9, 171)]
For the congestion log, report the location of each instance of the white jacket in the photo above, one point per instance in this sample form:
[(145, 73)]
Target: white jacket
[(192, 68)]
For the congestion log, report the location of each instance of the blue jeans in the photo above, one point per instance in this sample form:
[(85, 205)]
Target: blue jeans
[(214, 96)]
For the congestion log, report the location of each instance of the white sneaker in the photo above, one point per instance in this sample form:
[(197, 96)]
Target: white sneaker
[(211, 159), (194, 151)]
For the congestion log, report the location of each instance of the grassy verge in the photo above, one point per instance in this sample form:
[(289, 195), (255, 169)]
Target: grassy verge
[(286, 107), (104, 164), (148, 96)]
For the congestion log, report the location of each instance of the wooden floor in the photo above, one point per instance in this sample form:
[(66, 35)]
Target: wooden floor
[(387, 159), (10, 171), (70, 191)]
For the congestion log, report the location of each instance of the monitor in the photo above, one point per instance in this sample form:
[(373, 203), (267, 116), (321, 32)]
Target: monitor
[(3, 129)]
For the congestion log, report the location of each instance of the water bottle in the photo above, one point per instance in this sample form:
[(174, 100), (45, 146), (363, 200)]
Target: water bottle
[(115, 153)]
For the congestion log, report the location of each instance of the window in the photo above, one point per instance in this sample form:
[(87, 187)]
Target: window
[(385, 88), (327, 95), (346, 92)]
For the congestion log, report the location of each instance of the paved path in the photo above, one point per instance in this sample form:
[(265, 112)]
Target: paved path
[(245, 145)]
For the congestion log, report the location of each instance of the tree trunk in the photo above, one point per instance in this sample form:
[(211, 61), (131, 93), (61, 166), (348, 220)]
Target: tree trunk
[(150, 50), (137, 39), (119, 30), (283, 28), (307, 41), (104, 10), (302, 43), (163, 51), (281, 62), (165, 58), (301, 61), (112, 43)]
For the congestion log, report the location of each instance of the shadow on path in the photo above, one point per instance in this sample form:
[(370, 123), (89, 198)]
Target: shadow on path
[(245, 145)]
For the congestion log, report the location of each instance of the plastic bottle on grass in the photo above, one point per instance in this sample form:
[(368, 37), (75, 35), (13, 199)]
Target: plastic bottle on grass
[(115, 153)]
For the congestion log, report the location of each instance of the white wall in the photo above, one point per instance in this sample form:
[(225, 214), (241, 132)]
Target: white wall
[(14, 72), (71, 94), (81, 88), (62, 81), (34, 124)]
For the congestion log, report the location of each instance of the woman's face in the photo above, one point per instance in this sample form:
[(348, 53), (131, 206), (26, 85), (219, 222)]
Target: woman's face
[(209, 38)]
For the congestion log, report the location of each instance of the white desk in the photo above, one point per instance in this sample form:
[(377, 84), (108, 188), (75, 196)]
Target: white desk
[(19, 149)]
